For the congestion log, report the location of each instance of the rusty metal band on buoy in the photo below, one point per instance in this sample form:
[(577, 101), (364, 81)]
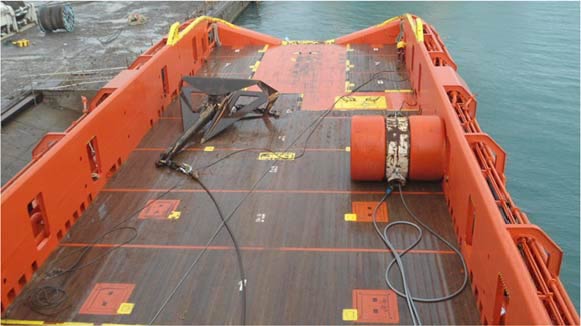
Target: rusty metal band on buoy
[(397, 148), (398, 144)]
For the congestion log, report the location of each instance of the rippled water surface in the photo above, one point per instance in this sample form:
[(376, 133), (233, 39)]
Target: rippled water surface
[(522, 61)]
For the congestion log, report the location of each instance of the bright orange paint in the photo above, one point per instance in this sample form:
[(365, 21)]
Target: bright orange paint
[(58, 185), (368, 146), (251, 248)]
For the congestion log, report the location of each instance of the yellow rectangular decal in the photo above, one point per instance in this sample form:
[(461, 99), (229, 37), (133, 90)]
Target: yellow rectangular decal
[(350, 217), (174, 215), (361, 103), (126, 308), (273, 156), (350, 315)]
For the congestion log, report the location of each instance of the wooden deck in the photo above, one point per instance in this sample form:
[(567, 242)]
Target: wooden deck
[(302, 259)]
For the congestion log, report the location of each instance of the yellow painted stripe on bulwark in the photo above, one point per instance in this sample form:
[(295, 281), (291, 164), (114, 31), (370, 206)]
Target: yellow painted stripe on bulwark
[(388, 21), (419, 30), (174, 36)]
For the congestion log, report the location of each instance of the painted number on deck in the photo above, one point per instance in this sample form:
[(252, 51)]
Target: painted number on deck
[(240, 286), (260, 217)]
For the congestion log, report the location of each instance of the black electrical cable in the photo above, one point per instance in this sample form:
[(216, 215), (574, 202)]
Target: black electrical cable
[(406, 293), (312, 125), (224, 223), (236, 247)]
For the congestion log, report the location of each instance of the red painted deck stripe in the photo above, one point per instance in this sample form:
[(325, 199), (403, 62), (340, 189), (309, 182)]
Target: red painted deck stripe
[(254, 248), (329, 117), (273, 191), (200, 149)]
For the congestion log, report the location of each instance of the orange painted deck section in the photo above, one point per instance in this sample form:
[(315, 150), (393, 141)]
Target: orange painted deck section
[(304, 262)]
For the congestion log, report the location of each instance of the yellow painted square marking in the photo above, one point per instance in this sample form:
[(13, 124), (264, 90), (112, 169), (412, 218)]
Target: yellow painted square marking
[(21, 322), (254, 67), (174, 215), (273, 156), (348, 86), (209, 149), (348, 149), (351, 217), (125, 308), (350, 314), (361, 103), (348, 65)]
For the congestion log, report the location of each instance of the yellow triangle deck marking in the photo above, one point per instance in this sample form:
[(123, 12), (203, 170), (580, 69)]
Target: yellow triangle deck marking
[(350, 314), (127, 307), (350, 217)]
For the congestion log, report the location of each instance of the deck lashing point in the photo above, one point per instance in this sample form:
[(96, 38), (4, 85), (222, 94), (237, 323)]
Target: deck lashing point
[(364, 211), (106, 298), (159, 209), (376, 306)]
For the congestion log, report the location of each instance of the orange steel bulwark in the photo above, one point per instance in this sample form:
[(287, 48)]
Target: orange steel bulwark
[(512, 284)]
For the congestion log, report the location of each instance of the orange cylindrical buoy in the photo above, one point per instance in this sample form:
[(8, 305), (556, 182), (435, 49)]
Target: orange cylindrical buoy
[(427, 148), (368, 145)]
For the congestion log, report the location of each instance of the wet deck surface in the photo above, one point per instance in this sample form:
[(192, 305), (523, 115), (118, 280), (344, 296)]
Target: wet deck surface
[(302, 259)]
